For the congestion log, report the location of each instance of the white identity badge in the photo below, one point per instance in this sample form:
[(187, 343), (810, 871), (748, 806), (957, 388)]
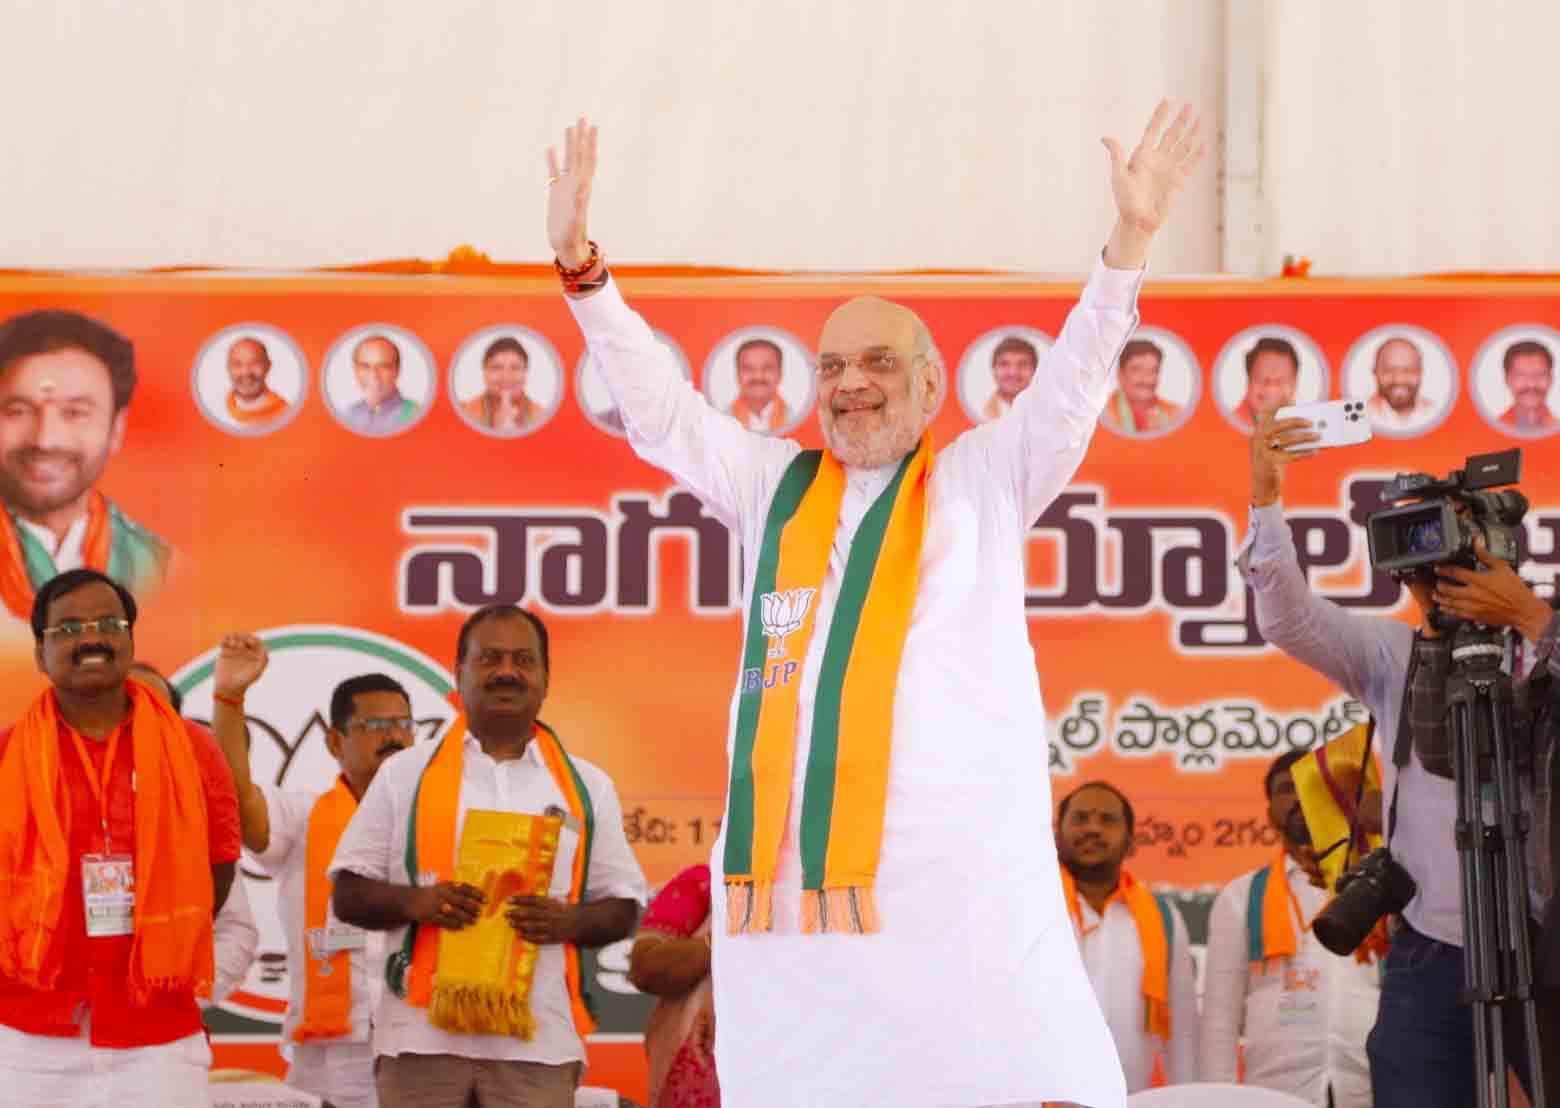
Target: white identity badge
[(108, 891)]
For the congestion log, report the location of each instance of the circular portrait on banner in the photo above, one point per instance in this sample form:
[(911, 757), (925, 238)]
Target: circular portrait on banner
[(996, 367), (378, 380), (762, 377), (1406, 376), (590, 390), (1514, 383), (1264, 368), (506, 381), (250, 379), (1157, 385)]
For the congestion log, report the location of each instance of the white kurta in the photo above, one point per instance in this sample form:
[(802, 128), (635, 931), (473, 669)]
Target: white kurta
[(973, 992), (1113, 958), (1304, 1020)]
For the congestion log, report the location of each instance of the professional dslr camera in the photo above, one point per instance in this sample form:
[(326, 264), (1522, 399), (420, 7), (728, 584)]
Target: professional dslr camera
[(1410, 540), (1378, 886)]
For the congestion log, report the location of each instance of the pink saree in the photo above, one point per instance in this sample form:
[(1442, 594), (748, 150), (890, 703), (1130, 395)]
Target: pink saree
[(678, 1037)]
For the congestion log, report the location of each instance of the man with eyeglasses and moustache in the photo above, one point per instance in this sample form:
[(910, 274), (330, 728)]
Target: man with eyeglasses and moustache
[(331, 967), (118, 842)]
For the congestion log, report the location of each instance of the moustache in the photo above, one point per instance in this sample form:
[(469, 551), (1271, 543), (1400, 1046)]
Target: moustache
[(505, 683), (81, 653), (388, 749), (28, 454)]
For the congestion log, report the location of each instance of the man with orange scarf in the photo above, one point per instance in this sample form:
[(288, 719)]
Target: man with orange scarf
[(330, 966), (1134, 944), (118, 839), (65, 387), (1304, 1013), (251, 402), (396, 870)]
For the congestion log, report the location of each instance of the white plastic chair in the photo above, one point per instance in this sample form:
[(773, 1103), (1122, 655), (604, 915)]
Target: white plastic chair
[(1207, 1095)]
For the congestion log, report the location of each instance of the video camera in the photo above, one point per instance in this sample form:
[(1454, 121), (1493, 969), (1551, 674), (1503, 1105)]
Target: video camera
[(1410, 540)]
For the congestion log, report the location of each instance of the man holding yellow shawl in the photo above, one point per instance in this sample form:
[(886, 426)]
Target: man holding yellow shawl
[(490, 857), (118, 839), (890, 926)]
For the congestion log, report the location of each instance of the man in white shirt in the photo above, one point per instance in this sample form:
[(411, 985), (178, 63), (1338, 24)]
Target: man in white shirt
[(758, 405), (332, 969), (1135, 945), (1304, 1012), (939, 967), (502, 668)]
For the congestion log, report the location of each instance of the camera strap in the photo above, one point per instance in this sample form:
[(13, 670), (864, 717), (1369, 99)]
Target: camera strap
[(1403, 749)]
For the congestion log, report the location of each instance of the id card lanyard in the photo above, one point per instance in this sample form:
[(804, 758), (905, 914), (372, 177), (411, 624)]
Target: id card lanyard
[(100, 783)]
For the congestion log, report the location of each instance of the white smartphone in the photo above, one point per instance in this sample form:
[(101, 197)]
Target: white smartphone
[(1337, 422)]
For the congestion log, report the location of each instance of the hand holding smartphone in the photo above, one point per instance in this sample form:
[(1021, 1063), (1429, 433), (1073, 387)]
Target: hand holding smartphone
[(1335, 422)]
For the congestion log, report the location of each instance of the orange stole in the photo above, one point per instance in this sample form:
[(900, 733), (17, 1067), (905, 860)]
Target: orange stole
[(171, 949), (16, 589), (433, 813), (485, 412), (778, 415), (273, 406), (1270, 928), (327, 985), (1154, 929)]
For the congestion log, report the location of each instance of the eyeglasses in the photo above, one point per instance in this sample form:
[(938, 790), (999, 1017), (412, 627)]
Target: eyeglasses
[(75, 628), (873, 361), (383, 725)]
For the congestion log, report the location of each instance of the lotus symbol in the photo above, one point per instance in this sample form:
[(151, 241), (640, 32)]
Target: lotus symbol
[(783, 613)]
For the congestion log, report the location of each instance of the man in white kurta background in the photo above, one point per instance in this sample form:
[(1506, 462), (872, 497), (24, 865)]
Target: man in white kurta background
[(971, 992), (1305, 1014), (1134, 945)]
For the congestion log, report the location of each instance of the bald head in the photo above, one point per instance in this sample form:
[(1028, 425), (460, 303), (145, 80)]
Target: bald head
[(879, 376), (1399, 369), (376, 362), (248, 363)]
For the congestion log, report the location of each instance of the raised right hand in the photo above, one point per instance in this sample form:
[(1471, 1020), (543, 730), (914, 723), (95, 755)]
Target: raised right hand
[(241, 659), (448, 904), (1269, 454), (568, 193)]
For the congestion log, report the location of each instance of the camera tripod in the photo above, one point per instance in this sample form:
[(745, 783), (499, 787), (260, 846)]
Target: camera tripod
[(1491, 832)]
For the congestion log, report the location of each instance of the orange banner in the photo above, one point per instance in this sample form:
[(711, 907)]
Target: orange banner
[(349, 465)]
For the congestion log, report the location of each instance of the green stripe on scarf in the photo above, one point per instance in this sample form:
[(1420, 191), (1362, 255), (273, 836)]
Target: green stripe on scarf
[(822, 758), (798, 477)]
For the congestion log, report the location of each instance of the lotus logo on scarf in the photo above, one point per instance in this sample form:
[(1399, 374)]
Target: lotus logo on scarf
[(784, 613)]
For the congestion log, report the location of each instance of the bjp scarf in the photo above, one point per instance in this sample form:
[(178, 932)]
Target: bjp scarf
[(273, 406), (479, 983), (845, 790), (1270, 915), (1156, 418), (171, 944), (327, 983), (1155, 930), (16, 584)]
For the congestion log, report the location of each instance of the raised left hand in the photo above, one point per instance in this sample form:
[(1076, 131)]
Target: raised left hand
[(1145, 184), (541, 919), (1494, 596)]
